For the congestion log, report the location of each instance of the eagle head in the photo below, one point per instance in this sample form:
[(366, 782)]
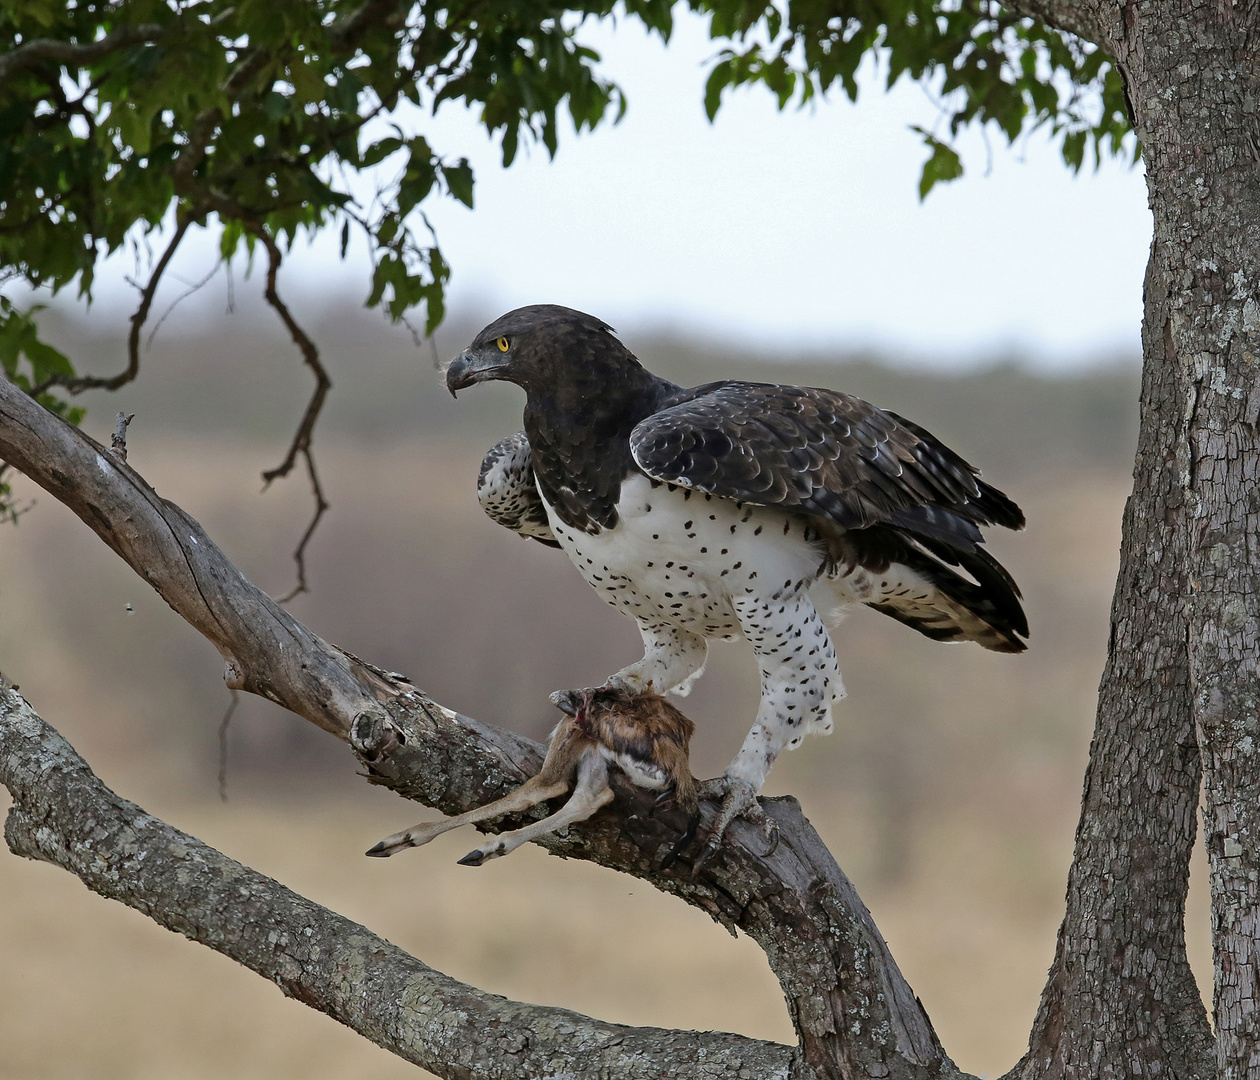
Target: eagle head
[(539, 346)]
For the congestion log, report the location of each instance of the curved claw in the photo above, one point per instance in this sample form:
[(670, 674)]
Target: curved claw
[(737, 799)]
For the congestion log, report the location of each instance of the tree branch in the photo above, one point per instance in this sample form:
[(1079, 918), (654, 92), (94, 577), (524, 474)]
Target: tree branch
[(301, 443), (43, 50), (1079, 17), (63, 814), (853, 1011), (77, 384)]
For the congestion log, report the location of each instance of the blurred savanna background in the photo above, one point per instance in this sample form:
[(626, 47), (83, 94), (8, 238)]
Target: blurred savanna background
[(948, 792), (1002, 314)]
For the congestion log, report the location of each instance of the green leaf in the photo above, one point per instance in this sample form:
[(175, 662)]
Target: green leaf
[(941, 166), (459, 181)]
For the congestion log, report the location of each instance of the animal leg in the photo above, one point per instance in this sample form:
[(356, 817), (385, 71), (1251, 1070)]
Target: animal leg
[(589, 794), (673, 659), (563, 753)]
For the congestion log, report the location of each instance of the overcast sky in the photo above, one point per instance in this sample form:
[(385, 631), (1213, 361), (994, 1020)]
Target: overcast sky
[(785, 231)]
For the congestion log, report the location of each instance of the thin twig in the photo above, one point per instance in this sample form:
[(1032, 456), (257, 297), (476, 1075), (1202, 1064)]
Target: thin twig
[(77, 384), (321, 505), (223, 743), (301, 442), (195, 287)]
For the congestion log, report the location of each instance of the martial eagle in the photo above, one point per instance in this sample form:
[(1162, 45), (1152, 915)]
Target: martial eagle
[(737, 509)]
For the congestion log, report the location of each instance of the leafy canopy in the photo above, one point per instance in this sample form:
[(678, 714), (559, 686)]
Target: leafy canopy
[(260, 117)]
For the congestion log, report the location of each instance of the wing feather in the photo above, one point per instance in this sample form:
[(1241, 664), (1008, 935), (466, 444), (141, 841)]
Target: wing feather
[(508, 493), (821, 451)]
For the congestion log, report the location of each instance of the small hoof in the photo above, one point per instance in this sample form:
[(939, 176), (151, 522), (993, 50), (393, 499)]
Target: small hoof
[(473, 858), (568, 701), (706, 853), (682, 843), (380, 851)]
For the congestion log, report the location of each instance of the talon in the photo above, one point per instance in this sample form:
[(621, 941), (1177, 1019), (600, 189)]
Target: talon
[(665, 797), (735, 798), (772, 838)]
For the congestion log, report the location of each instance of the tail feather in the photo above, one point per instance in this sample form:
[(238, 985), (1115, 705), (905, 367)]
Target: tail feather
[(910, 579)]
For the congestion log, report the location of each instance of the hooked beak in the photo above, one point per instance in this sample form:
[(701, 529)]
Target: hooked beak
[(469, 367)]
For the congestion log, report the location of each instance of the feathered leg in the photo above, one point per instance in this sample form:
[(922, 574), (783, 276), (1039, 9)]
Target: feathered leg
[(799, 682), (673, 659)]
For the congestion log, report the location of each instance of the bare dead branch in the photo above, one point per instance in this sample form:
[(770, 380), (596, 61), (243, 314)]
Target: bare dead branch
[(301, 443), (853, 1011), (224, 724), (77, 384), (44, 50), (63, 814)]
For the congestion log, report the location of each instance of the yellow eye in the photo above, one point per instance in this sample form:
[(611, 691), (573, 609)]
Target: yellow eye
[(503, 344)]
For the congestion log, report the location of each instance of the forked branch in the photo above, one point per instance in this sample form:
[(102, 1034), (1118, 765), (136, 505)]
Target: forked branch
[(852, 1009), (78, 383), (301, 443)]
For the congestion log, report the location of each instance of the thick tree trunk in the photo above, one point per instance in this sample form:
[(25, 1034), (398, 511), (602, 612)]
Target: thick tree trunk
[(1193, 75), (1121, 999), (1181, 681)]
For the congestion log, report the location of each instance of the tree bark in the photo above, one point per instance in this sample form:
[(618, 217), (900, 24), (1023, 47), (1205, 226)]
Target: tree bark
[(1195, 92), (853, 1011)]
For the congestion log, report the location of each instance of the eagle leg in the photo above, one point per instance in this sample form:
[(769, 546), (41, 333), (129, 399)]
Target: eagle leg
[(737, 798)]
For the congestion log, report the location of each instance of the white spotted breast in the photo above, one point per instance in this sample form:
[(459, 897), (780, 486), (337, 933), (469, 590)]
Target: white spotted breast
[(679, 556)]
